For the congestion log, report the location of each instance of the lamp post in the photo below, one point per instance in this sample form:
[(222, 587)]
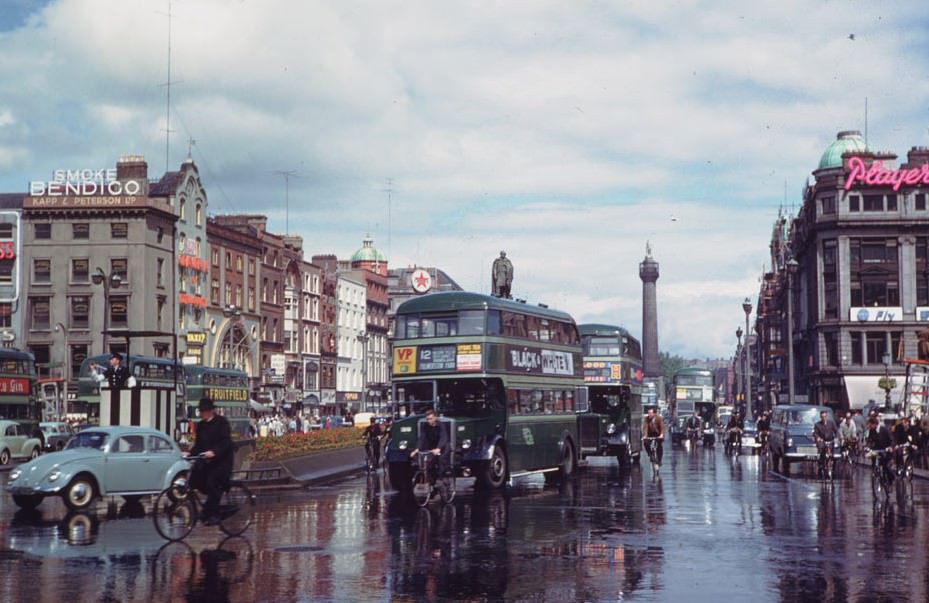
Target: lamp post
[(792, 267), (887, 383), (66, 370), (107, 280), (747, 306), (738, 362), (363, 338)]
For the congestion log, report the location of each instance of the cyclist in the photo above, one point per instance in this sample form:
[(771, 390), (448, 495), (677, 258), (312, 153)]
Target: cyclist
[(692, 425), (764, 426), (653, 427), (372, 438), (902, 437), (825, 431), (433, 439), (734, 430), (214, 442), (879, 439), (848, 434)]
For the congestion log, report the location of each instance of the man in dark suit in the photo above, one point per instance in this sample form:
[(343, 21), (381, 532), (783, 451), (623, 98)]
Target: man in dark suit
[(211, 475), (115, 375)]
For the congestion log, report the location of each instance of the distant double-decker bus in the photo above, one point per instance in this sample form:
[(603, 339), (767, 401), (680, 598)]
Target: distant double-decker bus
[(694, 388), (228, 388), (18, 395), (613, 373), (505, 377)]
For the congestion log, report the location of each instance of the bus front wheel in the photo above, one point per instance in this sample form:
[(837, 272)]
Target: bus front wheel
[(495, 472)]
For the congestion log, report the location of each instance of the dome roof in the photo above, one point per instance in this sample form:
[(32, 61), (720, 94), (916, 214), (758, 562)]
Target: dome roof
[(368, 253), (847, 141)]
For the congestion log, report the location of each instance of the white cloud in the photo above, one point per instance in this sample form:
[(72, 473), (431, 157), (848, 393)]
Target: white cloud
[(566, 133)]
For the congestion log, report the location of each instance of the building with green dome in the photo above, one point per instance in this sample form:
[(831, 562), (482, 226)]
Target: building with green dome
[(854, 263), (369, 258)]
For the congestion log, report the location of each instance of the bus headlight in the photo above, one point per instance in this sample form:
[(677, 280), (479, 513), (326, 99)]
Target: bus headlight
[(465, 444), (611, 429), (402, 445)]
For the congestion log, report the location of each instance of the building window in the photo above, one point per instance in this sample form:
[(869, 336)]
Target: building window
[(228, 260), (43, 230), (922, 271), (830, 279), (6, 272), (80, 230), (80, 312), (161, 309), (119, 230), (227, 300), (264, 290), (214, 257), (857, 356), (896, 345), (6, 315), (76, 355), (40, 316), (182, 209), (239, 264), (160, 237), (874, 202), (251, 266), (919, 202), (198, 214), (251, 299), (876, 346), (119, 311), (854, 203), (828, 205), (80, 270), (874, 269), (238, 296), (891, 202), (42, 272), (214, 292), (159, 271), (120, 267)]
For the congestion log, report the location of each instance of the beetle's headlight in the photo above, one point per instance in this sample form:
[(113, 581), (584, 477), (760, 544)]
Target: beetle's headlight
[(611, 429), (54, 475), (15, 473), (402, 445), (465, 444)]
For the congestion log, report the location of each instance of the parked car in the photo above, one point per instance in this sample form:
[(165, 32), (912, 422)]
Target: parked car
[(791, 435), (16, 442), (57, 434), (105, 461)]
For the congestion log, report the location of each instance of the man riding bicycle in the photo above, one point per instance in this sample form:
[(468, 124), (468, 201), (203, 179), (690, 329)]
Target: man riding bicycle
[(692, 426), (372, 438), (734, 430), (879, 440), (848, 434), (764, 426), (653, 427), (825, 431), (433, 439), (214, 442)]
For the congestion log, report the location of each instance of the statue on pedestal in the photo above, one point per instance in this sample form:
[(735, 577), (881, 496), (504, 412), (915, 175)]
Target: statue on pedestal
[(502, 277)]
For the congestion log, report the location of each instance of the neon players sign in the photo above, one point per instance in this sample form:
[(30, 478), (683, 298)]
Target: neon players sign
[(877, 175)]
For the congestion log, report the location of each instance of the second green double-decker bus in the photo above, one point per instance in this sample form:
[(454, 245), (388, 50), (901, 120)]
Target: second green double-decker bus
[(694, 389), (505, 378), (613, 374), (228, 388)]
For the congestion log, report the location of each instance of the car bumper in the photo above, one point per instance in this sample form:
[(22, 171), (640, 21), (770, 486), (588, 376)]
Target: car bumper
[(16, 490)]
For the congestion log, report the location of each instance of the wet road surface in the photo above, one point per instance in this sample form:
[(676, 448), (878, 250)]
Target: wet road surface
[(711, 528)]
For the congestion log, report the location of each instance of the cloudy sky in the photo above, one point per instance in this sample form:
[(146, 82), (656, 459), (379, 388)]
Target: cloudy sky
[(566, 133)]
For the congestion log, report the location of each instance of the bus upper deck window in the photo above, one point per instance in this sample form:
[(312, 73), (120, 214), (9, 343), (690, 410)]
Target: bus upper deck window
[(493, 322), (471, 322)]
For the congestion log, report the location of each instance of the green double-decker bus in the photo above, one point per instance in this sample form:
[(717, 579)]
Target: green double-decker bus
[(228, 388), (505, 377), (613, 373), (19, 398), (694, 388)]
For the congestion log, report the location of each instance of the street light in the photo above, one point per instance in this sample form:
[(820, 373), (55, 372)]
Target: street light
[(887, 383), (738, 361), (747, 306), (66, 364), (363, 338), (792, 267), (107, 280)]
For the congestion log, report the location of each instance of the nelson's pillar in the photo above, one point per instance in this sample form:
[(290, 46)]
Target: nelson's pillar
[(648, 272)]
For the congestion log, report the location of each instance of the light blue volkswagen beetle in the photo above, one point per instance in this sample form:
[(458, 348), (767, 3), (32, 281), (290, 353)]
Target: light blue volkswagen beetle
[(102, 461)]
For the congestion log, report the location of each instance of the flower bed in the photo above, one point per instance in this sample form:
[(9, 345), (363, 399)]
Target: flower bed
[(275, 448)]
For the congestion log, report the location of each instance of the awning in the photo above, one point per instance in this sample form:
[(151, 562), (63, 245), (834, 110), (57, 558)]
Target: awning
[(258, 407), (311, 400), (863, 388)]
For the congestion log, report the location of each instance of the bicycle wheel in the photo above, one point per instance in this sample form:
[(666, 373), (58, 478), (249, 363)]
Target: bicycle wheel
[(174, 519), (422, 489), (236, 510)]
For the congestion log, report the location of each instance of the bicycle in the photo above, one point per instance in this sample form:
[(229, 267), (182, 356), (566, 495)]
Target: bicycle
[(651, 447), (826, 460), (733, 444), (905, 467), (763, 443), (882, 471), (177, 508), (427, 485), (372, 453)]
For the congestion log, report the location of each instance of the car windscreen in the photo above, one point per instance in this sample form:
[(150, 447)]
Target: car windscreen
[(88, 439), (807, 416)]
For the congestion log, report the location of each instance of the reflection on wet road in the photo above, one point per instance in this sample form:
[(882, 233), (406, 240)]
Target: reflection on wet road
[(711, 527)]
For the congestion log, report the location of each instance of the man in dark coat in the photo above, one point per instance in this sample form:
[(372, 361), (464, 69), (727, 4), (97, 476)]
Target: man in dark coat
[(115, 375), (214, 442)]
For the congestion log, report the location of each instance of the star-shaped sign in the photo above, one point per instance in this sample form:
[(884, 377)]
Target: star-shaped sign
[(421, 281)]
